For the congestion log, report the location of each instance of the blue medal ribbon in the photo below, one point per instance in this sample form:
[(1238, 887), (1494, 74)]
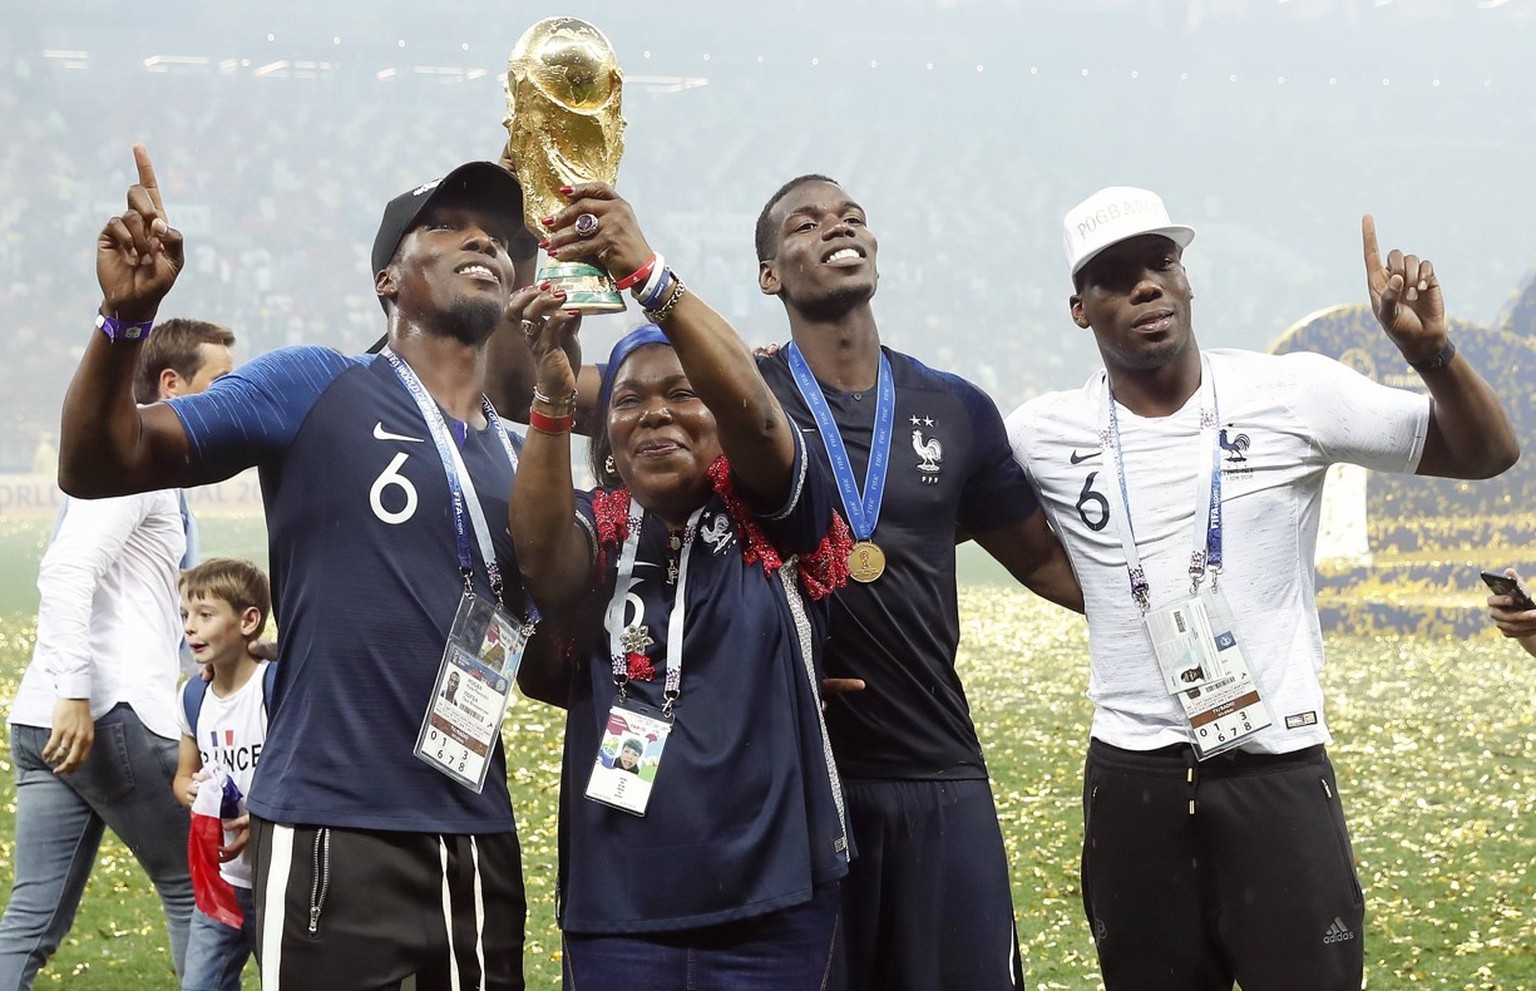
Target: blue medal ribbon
[(863, 511), (1206, 554)]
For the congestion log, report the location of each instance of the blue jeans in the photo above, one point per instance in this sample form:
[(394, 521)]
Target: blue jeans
[(216, 953), (787, 950), (124, 784)]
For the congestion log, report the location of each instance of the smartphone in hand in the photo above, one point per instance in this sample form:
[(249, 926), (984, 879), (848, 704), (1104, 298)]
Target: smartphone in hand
[(1502, 584)]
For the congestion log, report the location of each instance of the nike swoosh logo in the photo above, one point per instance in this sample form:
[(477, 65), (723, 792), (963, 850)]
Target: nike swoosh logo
[(379, 433), (1078, 459)]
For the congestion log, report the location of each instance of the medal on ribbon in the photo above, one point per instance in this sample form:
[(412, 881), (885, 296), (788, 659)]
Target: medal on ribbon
[(866, 561)]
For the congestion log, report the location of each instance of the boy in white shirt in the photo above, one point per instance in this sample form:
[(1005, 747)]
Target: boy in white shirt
[(224, 606)]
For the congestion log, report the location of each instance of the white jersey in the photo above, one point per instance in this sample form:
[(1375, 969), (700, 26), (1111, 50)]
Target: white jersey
[(230, 733), (1283, 419)]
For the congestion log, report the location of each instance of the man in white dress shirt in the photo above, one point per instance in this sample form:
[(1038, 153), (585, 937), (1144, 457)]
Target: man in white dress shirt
[(93, 727)]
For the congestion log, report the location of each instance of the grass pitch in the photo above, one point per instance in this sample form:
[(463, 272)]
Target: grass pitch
[(1435, 752)]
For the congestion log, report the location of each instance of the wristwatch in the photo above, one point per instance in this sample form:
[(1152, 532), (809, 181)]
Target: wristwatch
[(1436, 361), (123, 330)]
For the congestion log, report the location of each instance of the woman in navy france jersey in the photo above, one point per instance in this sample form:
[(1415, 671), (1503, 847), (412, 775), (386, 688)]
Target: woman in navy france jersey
[(694, 571)]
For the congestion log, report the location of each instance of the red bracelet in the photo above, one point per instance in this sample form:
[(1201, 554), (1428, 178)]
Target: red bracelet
[(550, 424), (639, 275)]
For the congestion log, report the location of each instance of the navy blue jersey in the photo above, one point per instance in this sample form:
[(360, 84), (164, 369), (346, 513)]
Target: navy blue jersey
[(742, 818), (950, 467), (365, 583)]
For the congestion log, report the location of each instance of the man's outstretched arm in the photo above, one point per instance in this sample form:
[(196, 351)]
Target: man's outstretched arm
[(108, 445), (1031, 552), (1470, 434)]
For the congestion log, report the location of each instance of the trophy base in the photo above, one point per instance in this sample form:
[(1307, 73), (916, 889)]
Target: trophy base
[(587, 289)]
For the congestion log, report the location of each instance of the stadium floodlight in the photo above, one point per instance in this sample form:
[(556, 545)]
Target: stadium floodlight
[(171, 63), (667, 84), (69, 58)]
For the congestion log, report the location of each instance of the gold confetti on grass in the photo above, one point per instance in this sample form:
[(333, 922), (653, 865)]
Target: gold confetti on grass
[(1435, 751)]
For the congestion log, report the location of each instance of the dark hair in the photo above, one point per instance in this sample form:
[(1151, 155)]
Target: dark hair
[(764, 233), (240, 583), (176, 344), (598, 450)]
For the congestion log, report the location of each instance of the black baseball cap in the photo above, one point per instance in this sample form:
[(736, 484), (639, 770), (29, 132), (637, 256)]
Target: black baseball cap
[(484, 183)]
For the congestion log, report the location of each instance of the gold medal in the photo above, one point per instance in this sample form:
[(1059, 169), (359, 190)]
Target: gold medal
[(866, 562)]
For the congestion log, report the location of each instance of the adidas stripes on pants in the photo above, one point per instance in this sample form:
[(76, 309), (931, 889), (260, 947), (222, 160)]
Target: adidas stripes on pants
[(1196, 874), (364, 910)]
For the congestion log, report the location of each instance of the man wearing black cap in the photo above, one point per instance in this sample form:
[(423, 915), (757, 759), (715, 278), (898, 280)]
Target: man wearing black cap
[(374, 861)]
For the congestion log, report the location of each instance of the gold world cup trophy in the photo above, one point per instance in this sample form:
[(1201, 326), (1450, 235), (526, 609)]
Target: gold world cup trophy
[(564, 91)]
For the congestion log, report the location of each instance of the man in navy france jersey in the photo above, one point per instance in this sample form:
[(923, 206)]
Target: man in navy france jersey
[(926, 904), (1215, 847), (378, 474)]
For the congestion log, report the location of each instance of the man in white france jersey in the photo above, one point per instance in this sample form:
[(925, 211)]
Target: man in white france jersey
[(1215, 847)]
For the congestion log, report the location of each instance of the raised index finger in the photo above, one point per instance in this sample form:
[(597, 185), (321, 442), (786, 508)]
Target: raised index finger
[(1372, 251), (147, 179)]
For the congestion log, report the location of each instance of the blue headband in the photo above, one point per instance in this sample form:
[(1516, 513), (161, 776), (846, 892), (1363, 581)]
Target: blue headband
[(646, 333)]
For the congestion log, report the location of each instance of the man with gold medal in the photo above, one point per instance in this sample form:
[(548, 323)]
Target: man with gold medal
[(926, 903), (921, 460)]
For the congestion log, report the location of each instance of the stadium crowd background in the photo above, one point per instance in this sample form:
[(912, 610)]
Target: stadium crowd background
[(966, 127)]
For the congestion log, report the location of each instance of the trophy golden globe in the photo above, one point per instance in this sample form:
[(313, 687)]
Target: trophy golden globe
[(564, 92)]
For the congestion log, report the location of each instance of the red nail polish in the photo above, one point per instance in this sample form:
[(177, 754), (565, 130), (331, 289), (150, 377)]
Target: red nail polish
[(573, 313), (544, 245), (559, 293), (544, 286), (567, 190), (548, 221)]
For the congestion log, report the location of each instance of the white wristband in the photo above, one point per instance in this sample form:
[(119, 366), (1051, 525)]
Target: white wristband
[(658, 272)]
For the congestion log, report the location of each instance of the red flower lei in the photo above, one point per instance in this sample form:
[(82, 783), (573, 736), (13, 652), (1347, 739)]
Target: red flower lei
[(822, 572)]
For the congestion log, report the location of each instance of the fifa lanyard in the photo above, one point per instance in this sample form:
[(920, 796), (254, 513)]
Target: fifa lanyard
[(863, 511), (672, 686), (1205, 554), (461, 487)]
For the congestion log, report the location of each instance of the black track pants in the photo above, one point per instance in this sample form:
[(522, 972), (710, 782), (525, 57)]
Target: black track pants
[(1196, 874)]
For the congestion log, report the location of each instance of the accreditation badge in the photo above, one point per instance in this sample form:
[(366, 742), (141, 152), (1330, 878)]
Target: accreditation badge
[(1203, 663), (473, 687), (629, 755)]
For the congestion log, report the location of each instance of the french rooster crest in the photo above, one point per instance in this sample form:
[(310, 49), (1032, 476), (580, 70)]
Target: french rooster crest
[(931, 451), (1234, 447)]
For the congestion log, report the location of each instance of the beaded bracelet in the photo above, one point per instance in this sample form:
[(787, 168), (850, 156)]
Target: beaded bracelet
[(665, 309), (638, 275)]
